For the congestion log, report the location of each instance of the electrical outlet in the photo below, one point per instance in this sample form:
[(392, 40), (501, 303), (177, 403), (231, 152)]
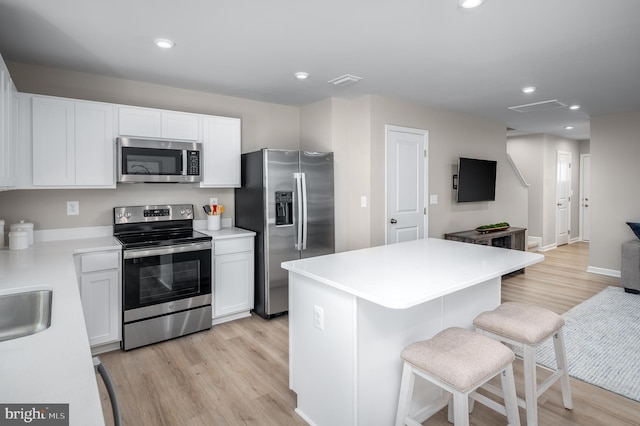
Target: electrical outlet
[(73, 208), (363, 201), (318, 317), (213, 201)]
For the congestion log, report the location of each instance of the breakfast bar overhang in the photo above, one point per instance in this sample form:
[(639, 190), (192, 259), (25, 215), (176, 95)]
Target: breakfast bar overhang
[(352, 313)]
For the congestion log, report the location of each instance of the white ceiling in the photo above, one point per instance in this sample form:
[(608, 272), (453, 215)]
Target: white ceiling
[(428, 51)]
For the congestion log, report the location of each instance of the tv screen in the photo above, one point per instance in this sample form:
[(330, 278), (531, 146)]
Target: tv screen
[(476, 180)]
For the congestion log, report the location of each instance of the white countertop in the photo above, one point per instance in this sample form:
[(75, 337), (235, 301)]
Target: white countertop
[(226, 233), (403, 275), (55, 365)]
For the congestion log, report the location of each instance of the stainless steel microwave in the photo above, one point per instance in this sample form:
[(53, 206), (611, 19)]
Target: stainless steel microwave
[(158, 161)]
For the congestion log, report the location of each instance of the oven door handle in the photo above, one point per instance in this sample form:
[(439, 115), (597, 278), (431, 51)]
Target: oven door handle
[(159, 251)]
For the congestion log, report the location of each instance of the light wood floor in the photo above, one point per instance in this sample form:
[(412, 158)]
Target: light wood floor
[(237, 373)]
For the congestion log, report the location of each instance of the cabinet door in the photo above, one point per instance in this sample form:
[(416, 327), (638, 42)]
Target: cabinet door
[(53, 142), (95, 144), (101, 305), (177, 125), (233, 283), (7, 142), (141, 122), (221, 143)]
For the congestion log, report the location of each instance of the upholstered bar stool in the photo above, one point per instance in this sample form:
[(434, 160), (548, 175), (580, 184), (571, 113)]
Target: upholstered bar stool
[(458, 361), (528, 326)]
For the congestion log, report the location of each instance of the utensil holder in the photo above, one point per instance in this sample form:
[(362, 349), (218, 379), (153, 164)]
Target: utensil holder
[(213, 222)]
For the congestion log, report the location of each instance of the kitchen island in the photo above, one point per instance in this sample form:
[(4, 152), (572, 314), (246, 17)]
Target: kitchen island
[(352, 313)]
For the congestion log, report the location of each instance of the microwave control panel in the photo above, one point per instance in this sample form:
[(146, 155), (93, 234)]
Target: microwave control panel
[(193, 163)]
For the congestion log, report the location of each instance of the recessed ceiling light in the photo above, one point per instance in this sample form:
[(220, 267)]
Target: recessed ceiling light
[(574, 107), (568, 127), (529, 89), (301, 75), (164, 43), (470, 4)]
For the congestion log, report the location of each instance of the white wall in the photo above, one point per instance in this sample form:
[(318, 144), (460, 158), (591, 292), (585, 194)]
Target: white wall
[(615, 175)]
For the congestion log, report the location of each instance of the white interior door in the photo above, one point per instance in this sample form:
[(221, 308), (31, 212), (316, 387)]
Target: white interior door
[(406, 183), (563, 198), (585, 196)]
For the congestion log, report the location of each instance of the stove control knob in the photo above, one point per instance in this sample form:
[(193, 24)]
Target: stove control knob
[(127, 215), (188, 212)]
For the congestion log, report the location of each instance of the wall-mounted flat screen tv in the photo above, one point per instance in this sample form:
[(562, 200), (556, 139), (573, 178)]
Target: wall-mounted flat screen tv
[(476, 180)]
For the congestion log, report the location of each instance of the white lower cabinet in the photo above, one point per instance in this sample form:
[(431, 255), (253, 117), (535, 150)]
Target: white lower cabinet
[(99, 278), (233, 279)]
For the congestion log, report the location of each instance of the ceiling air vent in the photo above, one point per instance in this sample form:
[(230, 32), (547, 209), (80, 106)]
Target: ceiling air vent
[(538, 106), (344, 80)]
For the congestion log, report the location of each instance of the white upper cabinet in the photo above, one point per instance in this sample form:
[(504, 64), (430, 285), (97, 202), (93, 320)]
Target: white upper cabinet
[(221, 145), (73, 143), (154, 123), (8, 127)]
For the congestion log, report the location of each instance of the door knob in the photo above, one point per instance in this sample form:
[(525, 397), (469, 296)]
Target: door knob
[(393, 221)]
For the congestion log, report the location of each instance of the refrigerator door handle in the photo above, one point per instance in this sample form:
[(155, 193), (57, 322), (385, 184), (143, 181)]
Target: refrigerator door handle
[(299, 214), (304, 211)]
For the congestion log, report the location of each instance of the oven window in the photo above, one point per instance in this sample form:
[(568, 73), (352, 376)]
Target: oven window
[(149, 161), (163, 278), (166, 281)]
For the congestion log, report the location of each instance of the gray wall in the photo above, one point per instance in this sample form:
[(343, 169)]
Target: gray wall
[(263, 125), (353, 128), (615, 175), (358, 134), (536, 157)]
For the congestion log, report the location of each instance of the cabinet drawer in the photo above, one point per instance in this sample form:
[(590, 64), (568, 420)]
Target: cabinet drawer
[(99, 262), (233, 246)]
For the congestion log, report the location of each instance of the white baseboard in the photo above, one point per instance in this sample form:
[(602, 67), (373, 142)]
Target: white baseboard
[(231, 317), (534, 241), (604, 271), (547, 248)]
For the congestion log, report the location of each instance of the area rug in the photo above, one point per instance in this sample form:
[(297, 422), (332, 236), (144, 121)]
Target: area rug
[(602, 339)]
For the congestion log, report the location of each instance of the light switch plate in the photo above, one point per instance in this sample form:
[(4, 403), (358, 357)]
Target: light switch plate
[(433, 199)]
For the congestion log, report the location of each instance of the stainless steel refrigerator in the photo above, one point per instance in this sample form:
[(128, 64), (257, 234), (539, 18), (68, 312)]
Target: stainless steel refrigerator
[(287, 199)]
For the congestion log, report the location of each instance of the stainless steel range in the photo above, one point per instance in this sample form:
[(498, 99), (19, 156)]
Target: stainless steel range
[(166, 274)]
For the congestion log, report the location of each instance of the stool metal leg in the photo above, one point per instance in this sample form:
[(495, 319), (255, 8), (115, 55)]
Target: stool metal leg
[(561, 360)]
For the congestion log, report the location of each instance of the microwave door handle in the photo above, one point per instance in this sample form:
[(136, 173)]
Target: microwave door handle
[(299, 218), (184, 162)]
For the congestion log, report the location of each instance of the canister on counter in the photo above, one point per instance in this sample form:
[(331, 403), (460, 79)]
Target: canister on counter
[(18, 240), (23, 226)]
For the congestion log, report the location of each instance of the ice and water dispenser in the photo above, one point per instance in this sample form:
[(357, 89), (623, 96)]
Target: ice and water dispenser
[(284, 208)]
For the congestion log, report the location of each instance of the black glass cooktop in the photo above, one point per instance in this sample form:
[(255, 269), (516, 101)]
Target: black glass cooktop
[(162, 238)]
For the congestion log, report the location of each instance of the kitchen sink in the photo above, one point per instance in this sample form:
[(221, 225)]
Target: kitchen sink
[(24, 314)]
